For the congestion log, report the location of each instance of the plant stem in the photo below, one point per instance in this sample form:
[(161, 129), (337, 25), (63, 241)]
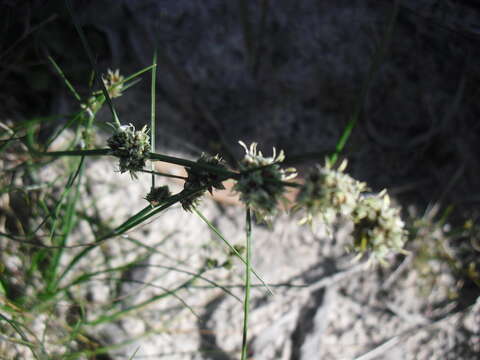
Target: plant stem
[(192, 164), (93, 152), (93, 63), (231, 247), (374, 66), (246, 304), (153, 124)]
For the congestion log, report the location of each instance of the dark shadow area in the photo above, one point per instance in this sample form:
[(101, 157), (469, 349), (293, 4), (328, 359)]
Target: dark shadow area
[(208, 342)]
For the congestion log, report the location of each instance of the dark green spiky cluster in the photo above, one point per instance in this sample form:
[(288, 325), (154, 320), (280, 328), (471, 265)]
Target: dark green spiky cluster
[(198, 178), (158, 195), (131, 147)]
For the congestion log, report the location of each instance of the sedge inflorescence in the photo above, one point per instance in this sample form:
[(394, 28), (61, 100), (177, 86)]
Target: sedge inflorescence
[(329, 193), (260, 183), (113, 82), (131, 147), (158, 195), (379, 229), (200, 179)]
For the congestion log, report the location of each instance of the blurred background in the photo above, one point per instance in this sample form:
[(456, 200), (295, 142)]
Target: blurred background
[(282, 74)]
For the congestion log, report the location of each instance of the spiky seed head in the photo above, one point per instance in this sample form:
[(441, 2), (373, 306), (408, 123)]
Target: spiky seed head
[(131, 147), (199, 178), (158, 195), (262, 189)]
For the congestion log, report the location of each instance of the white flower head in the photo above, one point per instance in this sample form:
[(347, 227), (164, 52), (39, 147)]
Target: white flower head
[(114, 83), (254, 157)]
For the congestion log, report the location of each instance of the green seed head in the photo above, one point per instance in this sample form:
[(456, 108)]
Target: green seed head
[(158, 195), (131, 147), (198, 178)]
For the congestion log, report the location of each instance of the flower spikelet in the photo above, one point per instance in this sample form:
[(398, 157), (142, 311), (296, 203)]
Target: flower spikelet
[(328, 193), (262, 189), (198, 177), (114, 83), (131, 147), (91, 106), (379, 228), (158, 195)]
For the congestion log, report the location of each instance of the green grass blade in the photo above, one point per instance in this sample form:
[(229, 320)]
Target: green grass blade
[(135, 220), (93, 152), (248, 39), (68, 220), (131, 222), (248, 267), (153, 123), (231, 247), (374, 66), (65, 80), (20, 332), (192, 164), (109, 318), (149, 284), (152, 156), (134, 353), (88, 276), (93, 63), (143, 216), (74, 119), (138, 73)]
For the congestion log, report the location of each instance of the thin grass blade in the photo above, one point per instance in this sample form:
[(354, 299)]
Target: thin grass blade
[(248, 267), (231, 247)]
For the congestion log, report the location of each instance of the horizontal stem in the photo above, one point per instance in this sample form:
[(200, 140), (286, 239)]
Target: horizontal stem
[(164, 174), (93, 152), (172, 160), (192, 164)]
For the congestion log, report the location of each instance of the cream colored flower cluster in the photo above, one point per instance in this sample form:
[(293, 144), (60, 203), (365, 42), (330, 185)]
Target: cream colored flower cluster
[(328, 192), (378, 227), (113, 82)]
